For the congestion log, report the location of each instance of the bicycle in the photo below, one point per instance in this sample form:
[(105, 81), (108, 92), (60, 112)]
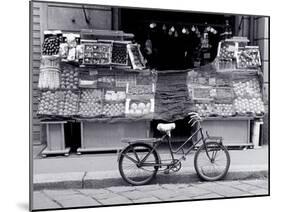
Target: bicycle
[(140, 161)]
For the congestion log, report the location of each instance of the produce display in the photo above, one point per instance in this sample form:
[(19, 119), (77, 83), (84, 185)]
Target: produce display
[(62, 103), (97, 54), (139, 108), (72, 43), (226, 65), (119, 53), (210, 109), (90, 109), (247, 89), (63, 50), (204, 110), (80, 52), (106, 81), (90, 103), (226, 51), (115, 96), (50, 62), (113, 109), (136, 57), (51, 45), (48, 104), (224, 94), (68, 106), (140, 89), (123, 80), (202, 93), (253, 105), (248, 58), (224, 109), (144, 79), (69, 77)]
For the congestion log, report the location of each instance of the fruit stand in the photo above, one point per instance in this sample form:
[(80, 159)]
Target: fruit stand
[(228, 92), (104, 86)]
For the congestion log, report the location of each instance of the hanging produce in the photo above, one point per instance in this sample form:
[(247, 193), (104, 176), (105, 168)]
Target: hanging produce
[(49, 76)]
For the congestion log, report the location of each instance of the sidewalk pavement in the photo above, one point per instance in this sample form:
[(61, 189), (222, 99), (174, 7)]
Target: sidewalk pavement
[(118, 195), (101, 170)]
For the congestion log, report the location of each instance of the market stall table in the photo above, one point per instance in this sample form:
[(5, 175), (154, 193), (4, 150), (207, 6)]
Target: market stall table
[(105, 135), (55, 138)]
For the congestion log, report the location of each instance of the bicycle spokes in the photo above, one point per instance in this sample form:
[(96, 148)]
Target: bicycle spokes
[(136, 164), (212, 161)]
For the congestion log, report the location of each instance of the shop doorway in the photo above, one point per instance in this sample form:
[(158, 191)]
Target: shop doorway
[(173, 40)]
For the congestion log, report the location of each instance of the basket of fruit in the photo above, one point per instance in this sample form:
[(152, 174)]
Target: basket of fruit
[(97, 54), (248, 58), (113, 109), (247, 88), (139, 108)]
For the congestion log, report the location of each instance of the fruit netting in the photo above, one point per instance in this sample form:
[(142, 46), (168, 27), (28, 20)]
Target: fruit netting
[(171, 96)]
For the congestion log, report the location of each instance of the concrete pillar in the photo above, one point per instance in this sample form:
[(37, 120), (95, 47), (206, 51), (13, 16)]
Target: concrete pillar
[(261, 39)]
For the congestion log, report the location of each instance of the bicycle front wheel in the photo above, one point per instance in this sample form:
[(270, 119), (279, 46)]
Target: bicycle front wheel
[(212, 161), (131, 170)]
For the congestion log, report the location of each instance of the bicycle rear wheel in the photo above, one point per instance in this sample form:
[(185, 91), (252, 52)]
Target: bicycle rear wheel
[(212, 161), (129, 167)]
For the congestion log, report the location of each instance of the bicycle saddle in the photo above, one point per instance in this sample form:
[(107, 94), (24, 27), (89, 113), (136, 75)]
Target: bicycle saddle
[(166, 127)]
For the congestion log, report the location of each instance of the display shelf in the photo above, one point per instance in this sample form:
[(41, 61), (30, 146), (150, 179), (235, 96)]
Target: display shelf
[(114, 120), (115, 68), (228, 118)]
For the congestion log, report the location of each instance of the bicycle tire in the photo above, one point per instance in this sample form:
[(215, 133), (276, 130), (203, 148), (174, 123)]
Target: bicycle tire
[(201, 152), (138, 180)]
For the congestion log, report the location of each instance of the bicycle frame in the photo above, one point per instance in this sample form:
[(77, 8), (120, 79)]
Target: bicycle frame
[(172, 152)]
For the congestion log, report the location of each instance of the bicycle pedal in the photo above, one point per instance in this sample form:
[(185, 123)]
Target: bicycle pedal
[(166, 171)]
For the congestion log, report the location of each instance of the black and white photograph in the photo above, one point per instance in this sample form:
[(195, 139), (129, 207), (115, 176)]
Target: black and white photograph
[(133, 105)]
